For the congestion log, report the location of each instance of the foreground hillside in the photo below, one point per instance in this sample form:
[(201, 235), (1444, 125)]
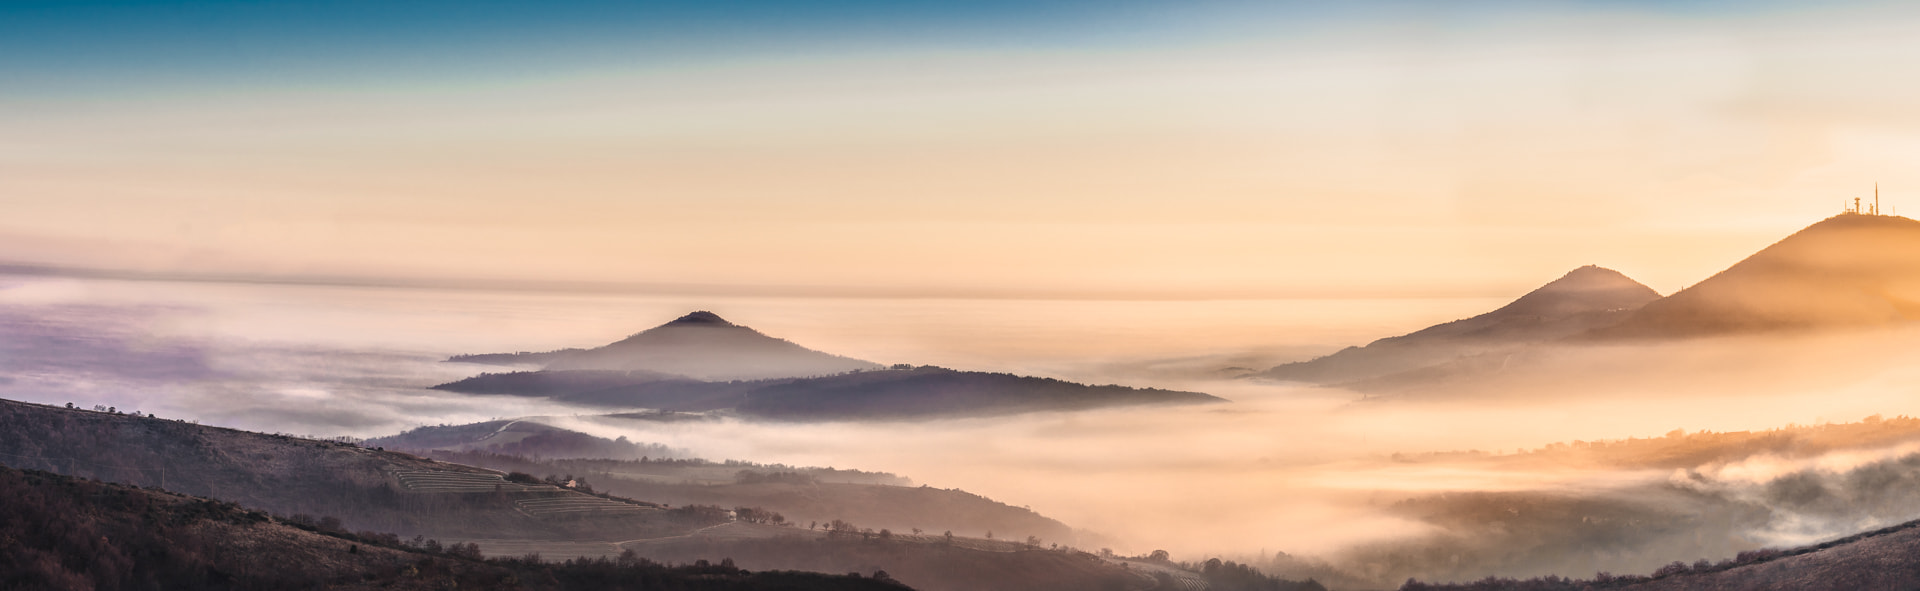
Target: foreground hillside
[(801, 495), (349, 488), (918, 393), (365, 488), (64, 533)]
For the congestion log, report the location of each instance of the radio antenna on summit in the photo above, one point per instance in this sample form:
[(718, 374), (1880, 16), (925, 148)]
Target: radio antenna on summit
[(1876, 198)]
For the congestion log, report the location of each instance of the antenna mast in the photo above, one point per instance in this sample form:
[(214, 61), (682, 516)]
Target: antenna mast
[(1876, 198)]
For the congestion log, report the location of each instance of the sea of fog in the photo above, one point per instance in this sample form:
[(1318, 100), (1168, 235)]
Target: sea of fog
[(1281, 468)]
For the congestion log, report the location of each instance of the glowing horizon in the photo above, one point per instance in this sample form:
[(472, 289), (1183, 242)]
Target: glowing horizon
[(1128, 150)]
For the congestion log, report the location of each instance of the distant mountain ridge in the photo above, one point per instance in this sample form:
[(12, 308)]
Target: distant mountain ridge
[(701, 362), (915, 393), (1585, 298), (700, 345), (1848, 271)]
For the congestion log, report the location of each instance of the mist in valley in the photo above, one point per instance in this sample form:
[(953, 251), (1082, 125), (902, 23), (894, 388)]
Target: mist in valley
[(1453, 480), (1313, 472)]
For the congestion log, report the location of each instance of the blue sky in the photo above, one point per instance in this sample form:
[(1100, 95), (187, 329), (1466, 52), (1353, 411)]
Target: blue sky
[(158, 42), (79, 45)]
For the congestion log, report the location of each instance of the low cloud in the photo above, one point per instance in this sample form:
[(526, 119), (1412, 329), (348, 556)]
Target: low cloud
[(118, 357), (1307, 471)]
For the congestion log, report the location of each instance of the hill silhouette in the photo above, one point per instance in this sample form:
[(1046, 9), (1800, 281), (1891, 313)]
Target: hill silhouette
[(365, 488), (101, 523), (1584, 299), (917, 393), (700, 345), (1848, 271), (644, 471), (63, 532), (800, 494), (520, 437)]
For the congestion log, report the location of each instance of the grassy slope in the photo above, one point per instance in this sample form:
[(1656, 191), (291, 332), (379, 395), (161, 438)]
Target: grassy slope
[(294, 476), (802, 499), (59, 532)]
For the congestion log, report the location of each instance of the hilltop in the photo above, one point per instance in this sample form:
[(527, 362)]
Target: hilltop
[(1848, 271), (701, 363), (700, 345), (1585, 298)]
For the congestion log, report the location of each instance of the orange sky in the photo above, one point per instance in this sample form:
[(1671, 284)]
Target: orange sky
[(1478, 156)]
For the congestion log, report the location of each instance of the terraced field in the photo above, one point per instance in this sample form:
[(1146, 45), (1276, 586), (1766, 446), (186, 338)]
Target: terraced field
[(573, 503), (540, 501), (1178, 580), (1186, 581), (447, 481), (547, 549), (980, 544)]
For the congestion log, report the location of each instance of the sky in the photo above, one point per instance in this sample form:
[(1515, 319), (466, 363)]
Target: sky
[(1123, 150)]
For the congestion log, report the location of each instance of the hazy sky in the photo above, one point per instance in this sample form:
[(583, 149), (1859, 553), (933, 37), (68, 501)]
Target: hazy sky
[(1110, 148)]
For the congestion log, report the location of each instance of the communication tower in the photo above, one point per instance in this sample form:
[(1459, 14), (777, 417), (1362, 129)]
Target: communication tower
[(1859, 208)]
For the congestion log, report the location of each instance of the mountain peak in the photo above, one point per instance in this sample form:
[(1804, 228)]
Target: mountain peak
[(1589, 278), (1591, 288), (700, 318), (704, 346), (1579, 301), (1850, 270)]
